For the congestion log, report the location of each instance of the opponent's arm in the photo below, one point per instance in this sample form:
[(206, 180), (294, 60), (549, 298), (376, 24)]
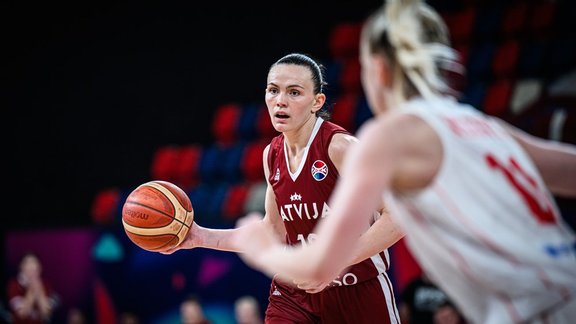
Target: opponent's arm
[(401, 152), (384, 232), (556, 161)]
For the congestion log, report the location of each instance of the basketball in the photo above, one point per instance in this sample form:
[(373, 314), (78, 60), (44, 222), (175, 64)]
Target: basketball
[(157, 215)]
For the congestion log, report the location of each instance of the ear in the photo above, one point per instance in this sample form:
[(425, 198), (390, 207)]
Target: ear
[(319, 101), (382, 68)]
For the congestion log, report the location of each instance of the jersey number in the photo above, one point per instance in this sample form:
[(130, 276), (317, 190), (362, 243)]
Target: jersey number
[(526, 187)]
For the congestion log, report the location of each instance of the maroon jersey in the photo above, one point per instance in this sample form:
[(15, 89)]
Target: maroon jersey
[(302, 196)]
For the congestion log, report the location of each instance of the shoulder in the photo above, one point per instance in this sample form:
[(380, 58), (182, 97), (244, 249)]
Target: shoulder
[(409, 145), (397, 128), (339, 145)]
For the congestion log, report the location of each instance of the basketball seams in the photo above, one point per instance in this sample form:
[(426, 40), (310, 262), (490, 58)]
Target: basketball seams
[(161, 185), (169, 194), (169, 202)]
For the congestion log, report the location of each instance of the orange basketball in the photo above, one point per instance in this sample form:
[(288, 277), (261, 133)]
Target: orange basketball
[(157, 215)]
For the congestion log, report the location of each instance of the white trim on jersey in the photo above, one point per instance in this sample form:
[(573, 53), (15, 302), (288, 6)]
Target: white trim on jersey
[(295, 175)]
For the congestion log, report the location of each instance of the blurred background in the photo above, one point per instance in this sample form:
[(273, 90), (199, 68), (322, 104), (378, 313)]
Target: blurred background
[(100, 97)]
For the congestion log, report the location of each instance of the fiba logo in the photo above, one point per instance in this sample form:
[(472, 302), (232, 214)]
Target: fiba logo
[(319, 170)]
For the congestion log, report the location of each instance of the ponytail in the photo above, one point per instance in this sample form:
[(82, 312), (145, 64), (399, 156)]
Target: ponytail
[(418, 46)]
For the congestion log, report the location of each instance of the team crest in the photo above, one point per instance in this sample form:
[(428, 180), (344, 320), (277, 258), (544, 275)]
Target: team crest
[(319, 170)]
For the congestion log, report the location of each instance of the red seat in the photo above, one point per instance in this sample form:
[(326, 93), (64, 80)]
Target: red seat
[(105, 205), (187, 166), (234, 201), (252, 168), (344, 40), (514, 18), (541, 16), (164, 163), (505, 59), (460, 24), (350, 77), (225, 123), (497, 100), (344, 111), (264, 125)]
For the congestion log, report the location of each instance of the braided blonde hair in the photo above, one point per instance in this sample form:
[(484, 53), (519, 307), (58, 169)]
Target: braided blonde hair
[(416, 42)]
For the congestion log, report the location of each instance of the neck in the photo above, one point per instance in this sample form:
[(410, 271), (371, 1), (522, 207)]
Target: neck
[(298, 139)]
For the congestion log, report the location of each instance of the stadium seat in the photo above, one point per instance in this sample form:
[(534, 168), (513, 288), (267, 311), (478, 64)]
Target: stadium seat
[(349, 81), (105, 206), (251, 163), (225, 123), (344, 110), (344, 40), (480, 61), (515, 18), (487, 25), (497, 98), (525, 92), (460, 24), (474, 94), (506, 59), (264, 125), (541, 17), (164, 163), (246, 127), (187, 165), (255, 197), (235, 200), (531, 60)]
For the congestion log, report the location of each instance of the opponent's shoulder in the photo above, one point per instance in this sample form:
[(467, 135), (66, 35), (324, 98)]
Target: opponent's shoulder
[(339, 145)]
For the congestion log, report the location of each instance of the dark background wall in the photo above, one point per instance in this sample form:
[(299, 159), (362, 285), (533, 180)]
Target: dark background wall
[(91, 88)]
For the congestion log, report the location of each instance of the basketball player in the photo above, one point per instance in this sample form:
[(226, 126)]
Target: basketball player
[(473, 194), (301, 166)]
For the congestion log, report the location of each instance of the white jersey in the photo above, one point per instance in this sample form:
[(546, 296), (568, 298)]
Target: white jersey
[(487, 230)]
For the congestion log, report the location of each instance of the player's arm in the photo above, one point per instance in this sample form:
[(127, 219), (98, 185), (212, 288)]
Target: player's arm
[(225, 239), (395, 151), (556, 161), (384, 232)]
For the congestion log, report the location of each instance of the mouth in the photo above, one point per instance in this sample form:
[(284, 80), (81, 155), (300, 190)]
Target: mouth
[(280, 115)]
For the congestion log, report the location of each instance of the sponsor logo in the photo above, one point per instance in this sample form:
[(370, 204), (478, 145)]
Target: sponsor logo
[(348, 279)]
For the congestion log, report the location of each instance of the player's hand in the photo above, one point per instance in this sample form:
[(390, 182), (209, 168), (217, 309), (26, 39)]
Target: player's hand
[(190, 241), (312, 287), (255, 239)]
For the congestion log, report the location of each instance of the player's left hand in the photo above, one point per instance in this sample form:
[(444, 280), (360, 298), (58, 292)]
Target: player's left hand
[(255, 240), (311, 287)]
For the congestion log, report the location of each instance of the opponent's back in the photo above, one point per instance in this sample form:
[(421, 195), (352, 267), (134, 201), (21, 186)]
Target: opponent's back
[(487, 230)]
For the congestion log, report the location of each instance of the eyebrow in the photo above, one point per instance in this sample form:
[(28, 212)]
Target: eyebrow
[(289, 86)]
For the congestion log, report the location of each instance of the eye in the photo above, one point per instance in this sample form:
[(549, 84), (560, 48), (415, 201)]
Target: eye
[(272, 90), (294, 93)]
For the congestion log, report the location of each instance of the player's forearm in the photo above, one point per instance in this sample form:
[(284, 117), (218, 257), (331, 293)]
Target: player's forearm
[(216, 239), (380, 236)]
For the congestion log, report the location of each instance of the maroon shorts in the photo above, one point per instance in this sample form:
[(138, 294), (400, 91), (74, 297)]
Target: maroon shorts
[(364, 302)]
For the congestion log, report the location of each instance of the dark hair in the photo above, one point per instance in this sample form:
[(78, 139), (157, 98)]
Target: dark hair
[(317, 70)]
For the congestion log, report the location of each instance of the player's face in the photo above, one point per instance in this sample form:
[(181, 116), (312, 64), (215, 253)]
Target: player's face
[(290, 97)]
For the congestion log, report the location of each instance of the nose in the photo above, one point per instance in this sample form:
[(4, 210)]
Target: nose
[(281, 99)]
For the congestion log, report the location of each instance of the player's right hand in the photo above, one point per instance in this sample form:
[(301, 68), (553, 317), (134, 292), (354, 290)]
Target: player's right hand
[(189, 241)]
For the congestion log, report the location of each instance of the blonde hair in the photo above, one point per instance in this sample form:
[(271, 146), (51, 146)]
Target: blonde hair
[(416, 42)]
